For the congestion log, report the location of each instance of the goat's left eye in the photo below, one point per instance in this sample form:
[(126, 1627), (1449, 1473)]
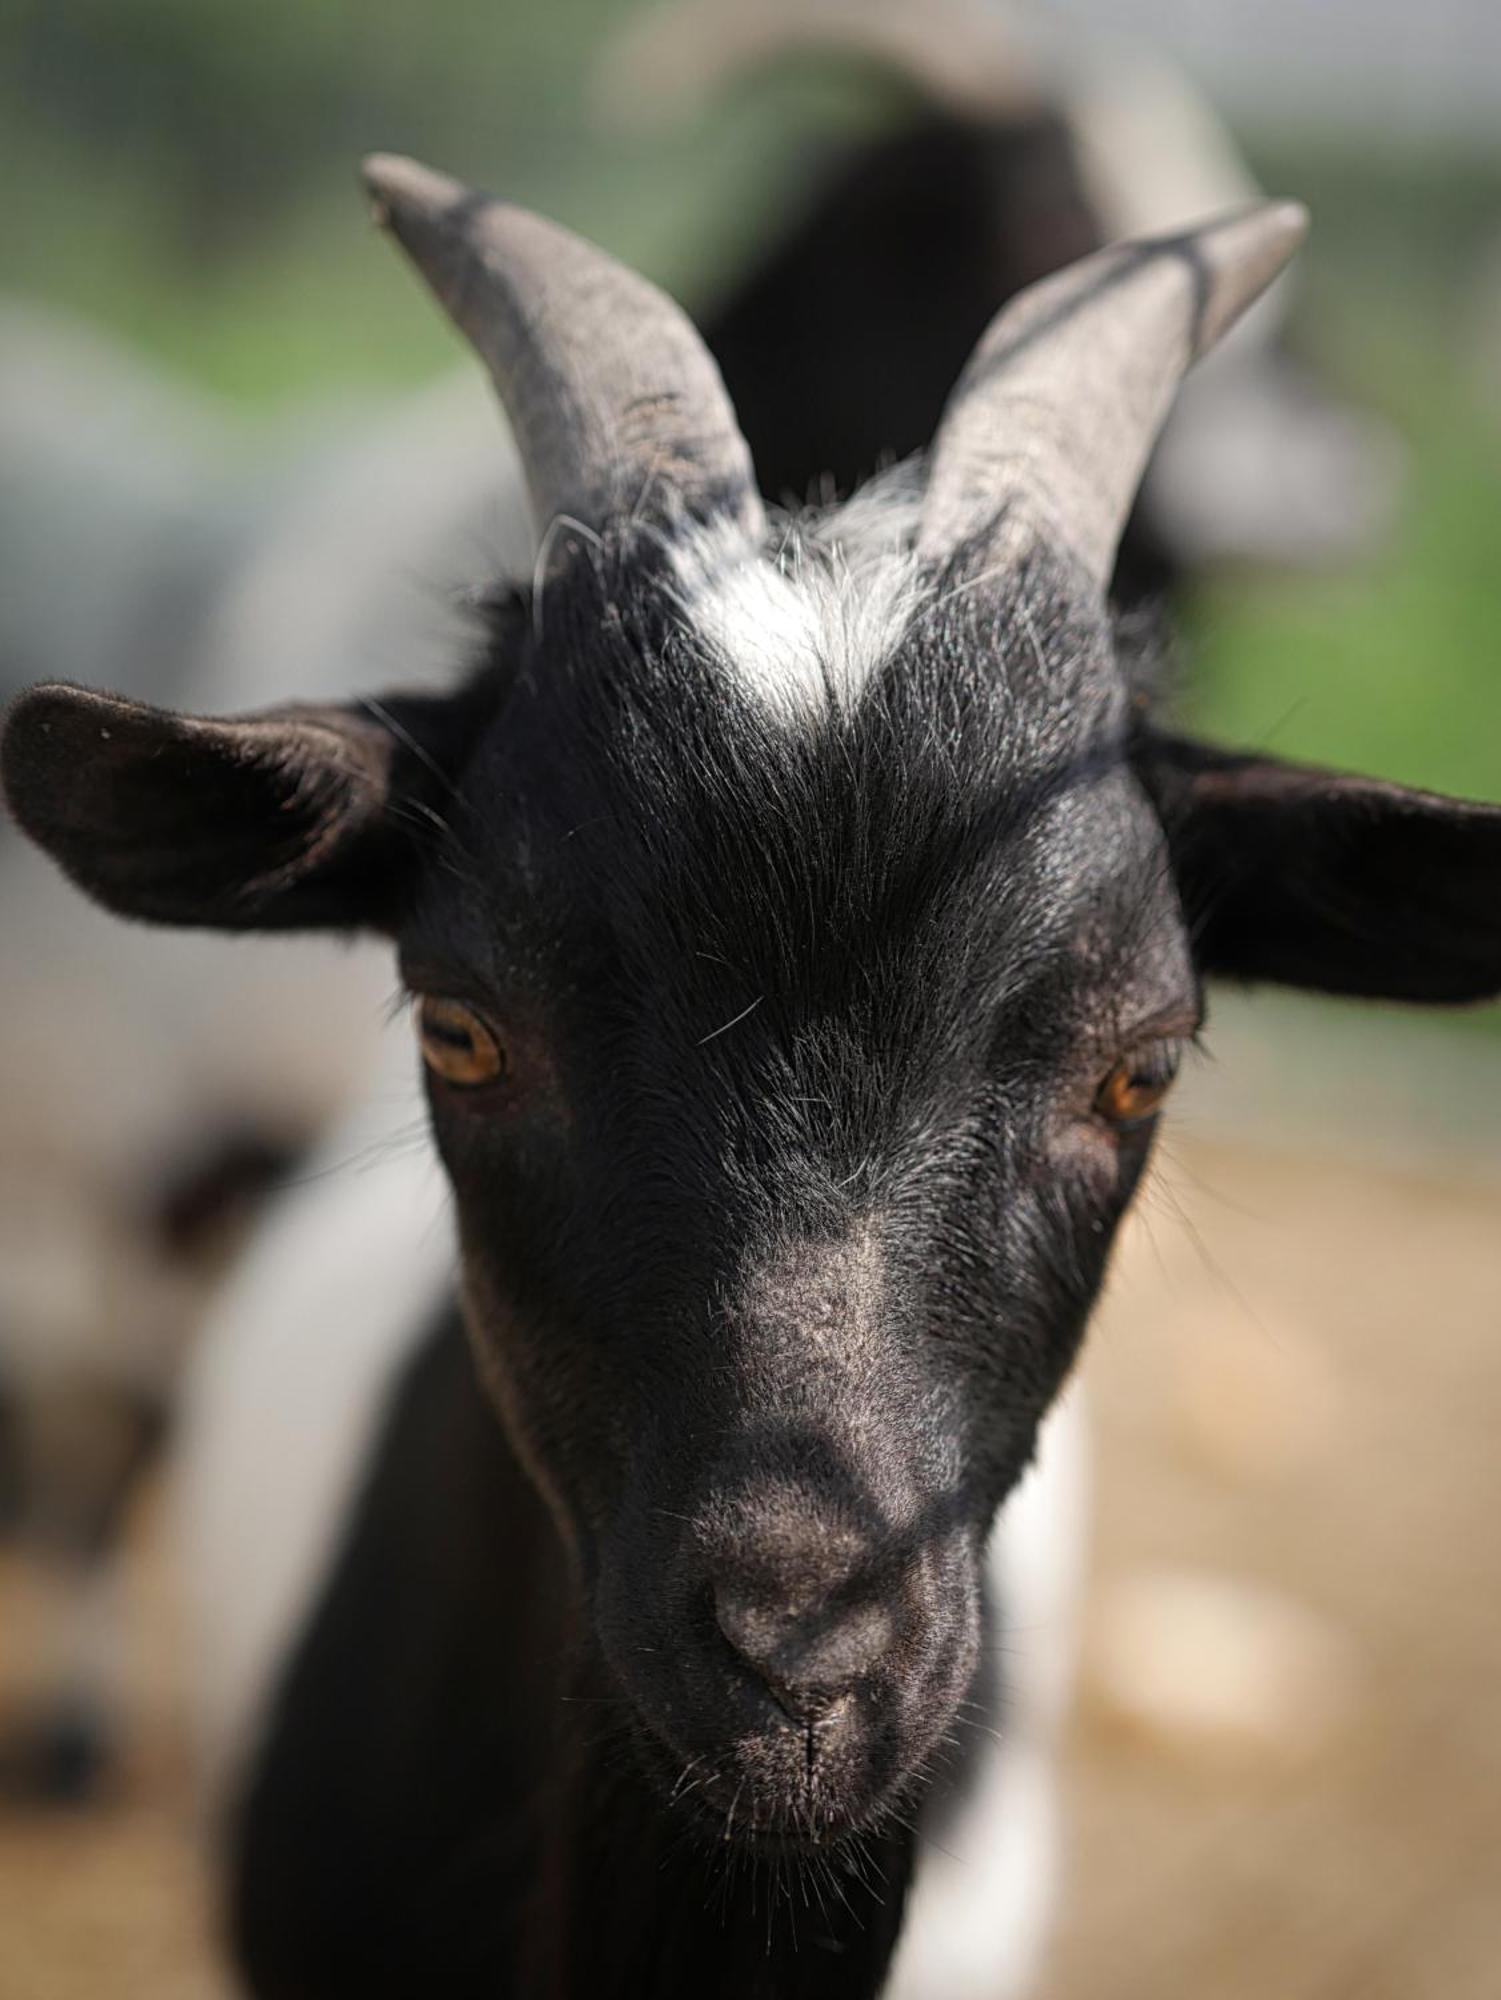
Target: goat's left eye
[(456, 1043), (1135, 1088)]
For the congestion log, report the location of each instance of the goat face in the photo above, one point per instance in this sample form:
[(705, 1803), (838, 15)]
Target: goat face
[(804, 923), (783, 1207)]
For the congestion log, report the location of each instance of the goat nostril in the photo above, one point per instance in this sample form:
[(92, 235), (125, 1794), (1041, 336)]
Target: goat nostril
[(748, 1624), (807, 1658)]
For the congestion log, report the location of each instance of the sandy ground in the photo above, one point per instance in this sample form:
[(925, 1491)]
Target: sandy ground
[(1285, 1775)]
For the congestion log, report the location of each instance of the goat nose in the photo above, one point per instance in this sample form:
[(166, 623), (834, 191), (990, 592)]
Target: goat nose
[(807, 1655)]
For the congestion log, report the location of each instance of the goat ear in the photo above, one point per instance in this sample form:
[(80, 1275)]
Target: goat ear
[(1347, 885), (279, 821)]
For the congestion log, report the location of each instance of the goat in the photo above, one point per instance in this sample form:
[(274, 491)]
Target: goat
[(805, 918), (131, 512)]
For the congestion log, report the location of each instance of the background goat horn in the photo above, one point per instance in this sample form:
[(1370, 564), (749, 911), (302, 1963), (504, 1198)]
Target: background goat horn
[(1050, 427), (616, 404)]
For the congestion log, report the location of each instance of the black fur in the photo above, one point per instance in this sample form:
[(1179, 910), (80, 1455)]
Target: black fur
[(1352, 885), (370, 1854), (289, 822), (371, 1857)]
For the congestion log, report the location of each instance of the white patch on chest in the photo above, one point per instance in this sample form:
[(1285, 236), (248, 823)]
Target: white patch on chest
[(980, 1910)]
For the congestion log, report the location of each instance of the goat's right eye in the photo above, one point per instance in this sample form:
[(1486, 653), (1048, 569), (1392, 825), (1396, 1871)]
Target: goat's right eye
[(1133, 1091), (457, 1044)]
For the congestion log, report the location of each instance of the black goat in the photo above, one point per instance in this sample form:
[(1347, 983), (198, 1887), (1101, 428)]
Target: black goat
[(805, 919)]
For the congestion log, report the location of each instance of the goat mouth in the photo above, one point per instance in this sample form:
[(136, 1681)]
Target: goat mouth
[(773, 1795)]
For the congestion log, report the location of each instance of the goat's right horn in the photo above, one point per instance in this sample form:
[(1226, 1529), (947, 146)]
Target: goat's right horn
[(1052, 422), (617, 405)]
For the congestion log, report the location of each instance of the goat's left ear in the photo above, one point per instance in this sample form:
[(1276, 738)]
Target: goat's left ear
[(1347, 885), (295, 818)]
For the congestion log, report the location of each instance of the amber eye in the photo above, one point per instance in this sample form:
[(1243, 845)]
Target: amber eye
[(1137, 1085), (457, 1043)]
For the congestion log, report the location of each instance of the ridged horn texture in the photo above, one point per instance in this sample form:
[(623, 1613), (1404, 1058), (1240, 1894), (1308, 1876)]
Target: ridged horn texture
[(617, 407), (1050, 427)]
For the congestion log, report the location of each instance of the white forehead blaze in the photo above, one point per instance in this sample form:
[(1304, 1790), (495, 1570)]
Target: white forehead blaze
[(803, 628)]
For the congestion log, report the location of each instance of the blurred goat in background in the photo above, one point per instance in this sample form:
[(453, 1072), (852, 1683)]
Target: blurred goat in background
[(152, 1098), (1009, 154)]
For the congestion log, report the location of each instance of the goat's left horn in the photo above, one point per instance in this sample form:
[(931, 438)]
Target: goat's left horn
[(617, 406), (1050, 427)]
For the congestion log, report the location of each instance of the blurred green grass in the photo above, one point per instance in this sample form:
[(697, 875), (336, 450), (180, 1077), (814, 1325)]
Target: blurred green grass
[(186, 177)]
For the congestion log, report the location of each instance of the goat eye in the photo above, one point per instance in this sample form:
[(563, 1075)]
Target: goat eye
[(456, 1043), (1136, 1086)]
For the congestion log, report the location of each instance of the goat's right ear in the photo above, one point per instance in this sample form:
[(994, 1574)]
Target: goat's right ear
[(1345, 885), (295, 818)]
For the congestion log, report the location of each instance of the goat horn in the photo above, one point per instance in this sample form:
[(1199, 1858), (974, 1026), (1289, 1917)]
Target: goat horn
[(617, 406), (1049, 429)]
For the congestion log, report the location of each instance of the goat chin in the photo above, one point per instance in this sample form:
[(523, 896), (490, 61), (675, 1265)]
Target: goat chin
[(785, 1791)]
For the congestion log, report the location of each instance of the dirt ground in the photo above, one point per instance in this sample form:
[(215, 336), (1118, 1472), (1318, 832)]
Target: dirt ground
[(1285, 1774)]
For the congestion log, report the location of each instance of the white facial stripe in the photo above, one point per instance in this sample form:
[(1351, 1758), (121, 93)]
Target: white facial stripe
[(758, 624), (806, 626)]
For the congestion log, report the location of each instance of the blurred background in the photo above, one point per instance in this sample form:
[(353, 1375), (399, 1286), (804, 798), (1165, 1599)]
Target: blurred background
[(242, 458)]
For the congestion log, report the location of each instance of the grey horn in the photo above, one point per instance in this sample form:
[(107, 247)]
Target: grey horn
[(1050, 427), (617, 406)]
